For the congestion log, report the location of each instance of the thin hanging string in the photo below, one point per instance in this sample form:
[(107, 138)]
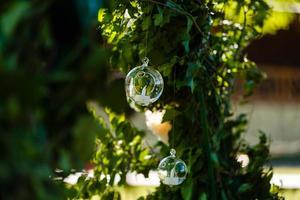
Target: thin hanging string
[(147, 31), (146, 45), (174, 92), (145, 62)]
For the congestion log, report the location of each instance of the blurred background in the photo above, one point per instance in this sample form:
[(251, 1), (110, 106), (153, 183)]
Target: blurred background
[(275, 105), (52, 63)]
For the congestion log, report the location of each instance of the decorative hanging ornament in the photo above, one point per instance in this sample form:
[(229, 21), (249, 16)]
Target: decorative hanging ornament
[(143, 84), (171, 170)]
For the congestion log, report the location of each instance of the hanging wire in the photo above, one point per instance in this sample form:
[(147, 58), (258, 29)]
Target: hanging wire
[(146, 43), (147, 31), (174, 92), (145, 60)]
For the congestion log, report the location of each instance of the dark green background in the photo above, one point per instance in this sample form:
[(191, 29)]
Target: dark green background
[(51, 64)]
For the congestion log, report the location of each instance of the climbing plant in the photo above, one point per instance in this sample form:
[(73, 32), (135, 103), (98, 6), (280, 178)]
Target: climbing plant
[(198, 47)]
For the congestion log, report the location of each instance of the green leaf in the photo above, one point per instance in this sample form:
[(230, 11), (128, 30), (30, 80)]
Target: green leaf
[(101, 14), (223, 194), (158, 19), (13, 15), (192, 69), (189, 24), (133, 4), (186, 36), (170, 114), (215, 159), (191, 84), (173, 5), (249, 87), (244, 188), (187, 191), (203, 196), (186, 45), (166, 69), (112, 37), (146, 23)]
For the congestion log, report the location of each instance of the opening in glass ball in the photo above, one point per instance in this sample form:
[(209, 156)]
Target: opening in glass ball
[(172, 171), (144, 85)]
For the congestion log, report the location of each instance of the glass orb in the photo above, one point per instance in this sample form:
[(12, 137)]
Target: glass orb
[(144, 85), (171, 170)]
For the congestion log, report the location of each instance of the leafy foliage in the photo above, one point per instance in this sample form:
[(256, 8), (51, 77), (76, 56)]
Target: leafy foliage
[(119, 150), (51, 64), (198, 47)]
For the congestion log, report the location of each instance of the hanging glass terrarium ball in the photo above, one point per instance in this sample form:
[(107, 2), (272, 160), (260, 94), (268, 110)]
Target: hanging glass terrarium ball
[(143, 84), (171, 170)]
